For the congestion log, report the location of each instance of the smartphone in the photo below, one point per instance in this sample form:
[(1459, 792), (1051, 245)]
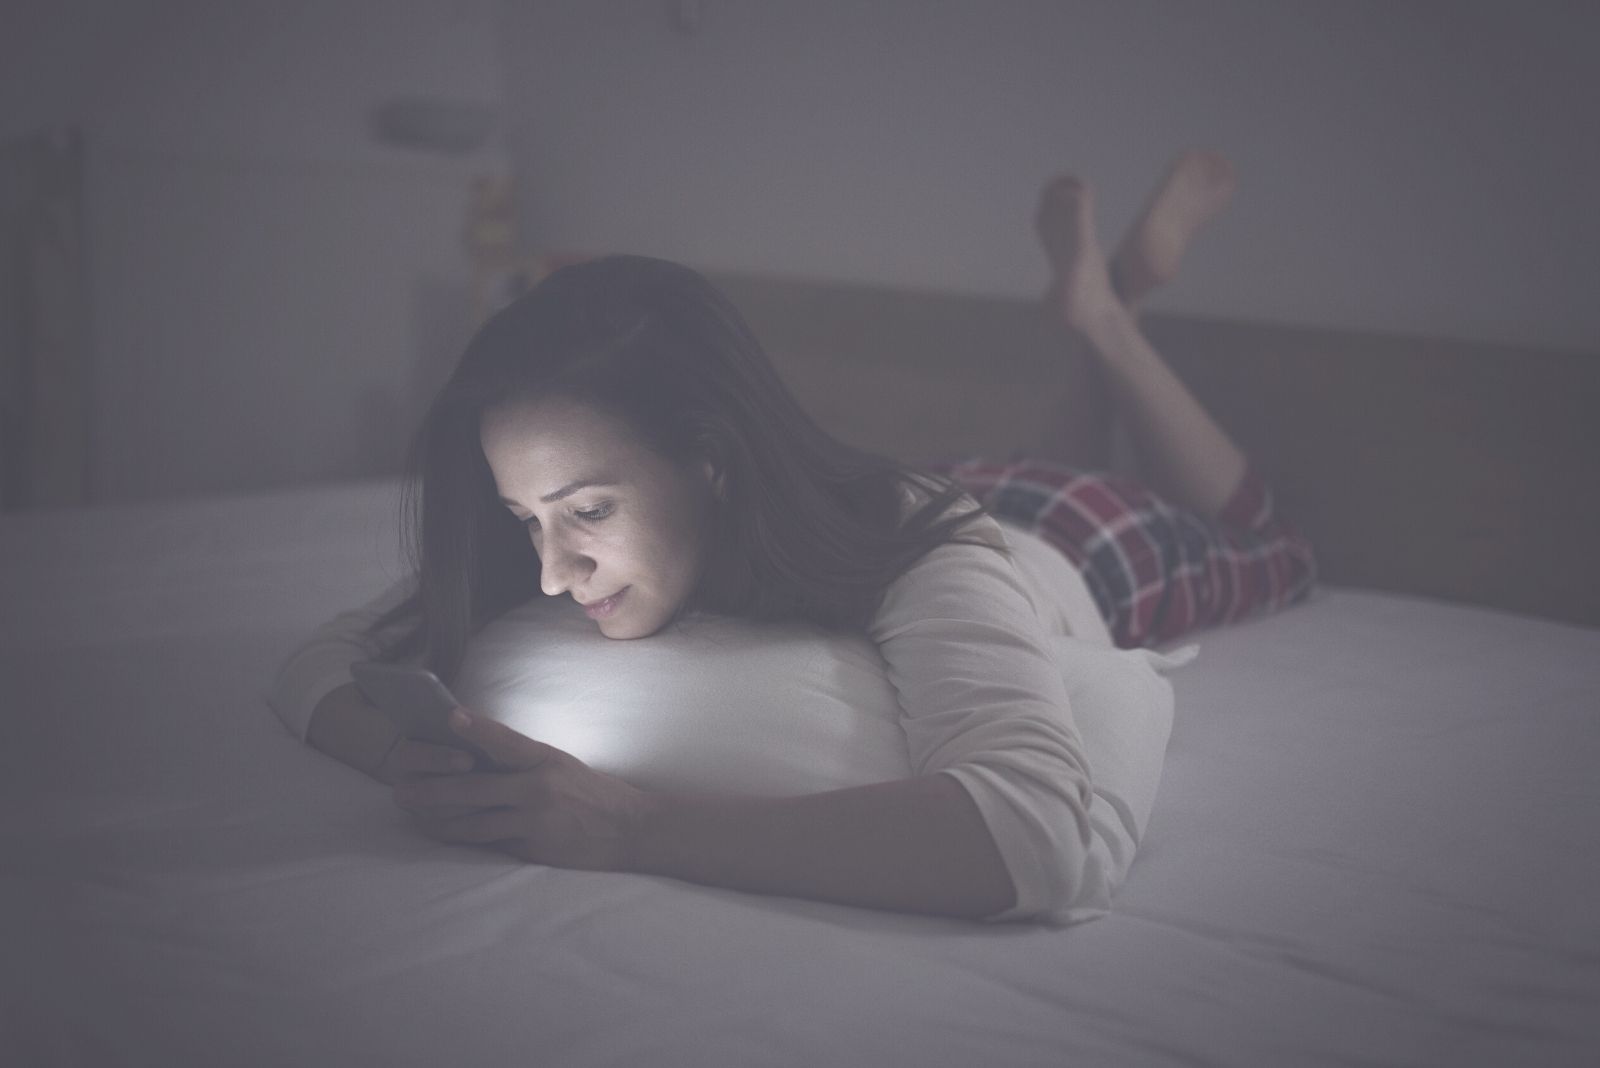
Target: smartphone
[(417, 703)]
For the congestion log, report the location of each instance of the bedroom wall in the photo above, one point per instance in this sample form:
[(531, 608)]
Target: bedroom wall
[(1421, 167), (274, 294), (273, 291)]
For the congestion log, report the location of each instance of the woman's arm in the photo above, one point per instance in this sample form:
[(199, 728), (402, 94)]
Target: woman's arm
[(994, 822), (321, 665), (349, 728), (983, 701), (317, 701), (918, 845)]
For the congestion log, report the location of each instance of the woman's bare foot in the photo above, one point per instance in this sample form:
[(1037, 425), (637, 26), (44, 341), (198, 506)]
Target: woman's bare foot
[(1081, 284), (1195, 190)]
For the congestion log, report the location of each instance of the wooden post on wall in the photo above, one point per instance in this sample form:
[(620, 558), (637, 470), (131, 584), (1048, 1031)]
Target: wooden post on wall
[(44, 322)]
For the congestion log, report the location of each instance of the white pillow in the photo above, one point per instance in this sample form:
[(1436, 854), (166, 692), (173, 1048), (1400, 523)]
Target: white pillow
[(716, 704), (709, 704)]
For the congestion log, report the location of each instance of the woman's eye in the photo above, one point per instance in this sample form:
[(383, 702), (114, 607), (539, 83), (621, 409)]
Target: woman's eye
[(589, 515)]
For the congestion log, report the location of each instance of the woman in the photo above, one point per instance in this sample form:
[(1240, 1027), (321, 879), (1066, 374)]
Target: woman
[(617, 436)]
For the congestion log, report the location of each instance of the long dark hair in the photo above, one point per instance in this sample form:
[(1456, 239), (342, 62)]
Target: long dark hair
[(806, 527)]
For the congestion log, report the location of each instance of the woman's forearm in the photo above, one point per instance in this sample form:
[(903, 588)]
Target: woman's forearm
[(918, 845), (349, 729), (915, 845)]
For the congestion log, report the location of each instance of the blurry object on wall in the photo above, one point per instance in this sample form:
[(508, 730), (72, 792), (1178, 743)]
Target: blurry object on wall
[(466, 130), (502, 266), (44, 322), (500, 271)]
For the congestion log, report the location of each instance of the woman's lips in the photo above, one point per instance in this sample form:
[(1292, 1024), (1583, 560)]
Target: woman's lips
[(602, 609)]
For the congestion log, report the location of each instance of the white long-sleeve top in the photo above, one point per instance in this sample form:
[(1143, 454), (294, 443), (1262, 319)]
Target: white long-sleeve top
[(967, 638)]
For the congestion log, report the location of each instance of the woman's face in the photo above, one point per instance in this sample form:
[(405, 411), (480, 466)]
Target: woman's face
[(619, 527)]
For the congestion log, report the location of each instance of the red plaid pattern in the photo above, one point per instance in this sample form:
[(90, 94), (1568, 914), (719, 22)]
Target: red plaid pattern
[(1156, 571)]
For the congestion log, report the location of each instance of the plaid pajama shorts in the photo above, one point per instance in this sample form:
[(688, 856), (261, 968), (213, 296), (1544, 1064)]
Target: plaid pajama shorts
[(1155, 570)]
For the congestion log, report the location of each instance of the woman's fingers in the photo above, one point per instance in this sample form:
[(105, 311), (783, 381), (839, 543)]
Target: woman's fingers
[(479, 790), (506, 748), (548, 807), (411, 757)]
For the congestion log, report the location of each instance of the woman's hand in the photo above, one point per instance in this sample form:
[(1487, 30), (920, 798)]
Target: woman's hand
[(407, 759), (915, 845), (348, 727), (543, 805)]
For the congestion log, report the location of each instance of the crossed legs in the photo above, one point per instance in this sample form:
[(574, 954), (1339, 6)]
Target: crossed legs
[(1181, 449)]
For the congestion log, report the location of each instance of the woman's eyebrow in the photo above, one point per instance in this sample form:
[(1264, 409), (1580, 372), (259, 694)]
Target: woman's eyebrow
[(565, 491)]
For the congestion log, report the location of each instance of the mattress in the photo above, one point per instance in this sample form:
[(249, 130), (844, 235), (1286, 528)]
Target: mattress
[(1377, 841)]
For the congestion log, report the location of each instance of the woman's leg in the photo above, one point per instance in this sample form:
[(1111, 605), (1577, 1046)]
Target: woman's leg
[(1181, 449), (1155, 570), (1194, 191), (1209, 548), (1212, 550)]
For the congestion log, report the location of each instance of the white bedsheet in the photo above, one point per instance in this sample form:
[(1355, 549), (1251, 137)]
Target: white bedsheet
[(1377, 842)]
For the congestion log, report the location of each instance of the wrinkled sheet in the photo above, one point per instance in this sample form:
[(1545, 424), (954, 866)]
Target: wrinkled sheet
[(1377, 841)]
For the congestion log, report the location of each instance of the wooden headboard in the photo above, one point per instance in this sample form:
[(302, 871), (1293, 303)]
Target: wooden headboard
[(1439, 468)]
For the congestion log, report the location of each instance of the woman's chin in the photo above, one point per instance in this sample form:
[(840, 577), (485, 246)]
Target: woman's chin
[(636, 617), (625, 630)]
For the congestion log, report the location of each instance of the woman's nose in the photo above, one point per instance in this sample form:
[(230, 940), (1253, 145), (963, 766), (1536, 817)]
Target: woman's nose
[(561, 568)]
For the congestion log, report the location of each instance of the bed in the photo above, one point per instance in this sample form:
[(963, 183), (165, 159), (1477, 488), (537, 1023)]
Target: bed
[(1376, 840)]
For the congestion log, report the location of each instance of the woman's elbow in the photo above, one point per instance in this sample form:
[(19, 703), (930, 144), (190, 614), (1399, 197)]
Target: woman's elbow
[(1074, 873)]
